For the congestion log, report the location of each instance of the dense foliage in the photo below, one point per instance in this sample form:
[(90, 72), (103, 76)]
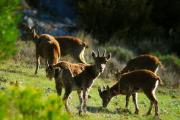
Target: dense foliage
[(30, 103), (133, 21), (8, 27)]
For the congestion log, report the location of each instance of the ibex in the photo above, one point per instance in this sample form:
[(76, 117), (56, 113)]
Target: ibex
[(78, 77), (72, 46), (145, 61), (47, 46), (69, 45), (129, 84)]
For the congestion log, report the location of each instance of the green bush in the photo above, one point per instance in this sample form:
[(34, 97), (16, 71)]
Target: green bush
[(9, 17), (120, 53), (30, 103), (171, 60), (170, 75), (106, 17)]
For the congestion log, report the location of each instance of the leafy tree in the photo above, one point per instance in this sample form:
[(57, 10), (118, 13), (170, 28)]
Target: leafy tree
[(9, 33)]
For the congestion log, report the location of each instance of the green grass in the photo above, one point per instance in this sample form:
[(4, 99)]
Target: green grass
[(10, 71)]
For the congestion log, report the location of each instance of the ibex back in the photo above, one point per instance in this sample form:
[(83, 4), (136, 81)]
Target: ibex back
[(146, 61), (72, 46)]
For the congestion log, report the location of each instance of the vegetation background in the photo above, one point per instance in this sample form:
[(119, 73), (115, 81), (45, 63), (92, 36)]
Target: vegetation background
[(126, 28)]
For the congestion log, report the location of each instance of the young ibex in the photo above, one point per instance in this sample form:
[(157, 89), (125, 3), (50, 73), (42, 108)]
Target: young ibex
[(129, 84), (145, 61), (72, 46), (47, 46), (78, 77)]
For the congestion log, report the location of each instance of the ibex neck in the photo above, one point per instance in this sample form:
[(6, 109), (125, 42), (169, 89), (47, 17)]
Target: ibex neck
[(115, 90), (35, 38), (94, 73)]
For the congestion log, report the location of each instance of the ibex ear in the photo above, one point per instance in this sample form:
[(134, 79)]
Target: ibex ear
[(94, 54), (99, 90), (107, 87), (108, 57), (34, 32)]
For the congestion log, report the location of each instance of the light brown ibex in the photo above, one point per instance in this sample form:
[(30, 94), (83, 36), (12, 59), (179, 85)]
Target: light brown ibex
[(69, 45), (47, 46), (78, 77), (129, 84), (145, 61), (73, 46)]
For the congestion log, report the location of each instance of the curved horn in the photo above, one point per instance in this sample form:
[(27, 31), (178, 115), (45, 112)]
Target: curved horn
[(107, 87), (104, 54), (104, 88), (47, 63), (99, 89), (98, 53)]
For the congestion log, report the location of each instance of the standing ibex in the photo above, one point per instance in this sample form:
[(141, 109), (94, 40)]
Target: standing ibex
[(129, 84), (72, 46), (78, 77), (68, 45), (145, 61), (47, 46)]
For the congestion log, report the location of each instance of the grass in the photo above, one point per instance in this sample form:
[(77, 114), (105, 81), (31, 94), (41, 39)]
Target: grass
[(10, 72)]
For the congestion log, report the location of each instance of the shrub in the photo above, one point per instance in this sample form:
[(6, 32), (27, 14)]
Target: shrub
[(9, 32), (170, 75), (25, 52), (30, 103), (112, 66), (105, 17), (120, 53), (120, 56)]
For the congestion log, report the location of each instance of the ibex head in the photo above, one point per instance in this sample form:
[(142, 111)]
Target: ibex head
[(105, 95), (50, 72), (27, 33), (100, 61)]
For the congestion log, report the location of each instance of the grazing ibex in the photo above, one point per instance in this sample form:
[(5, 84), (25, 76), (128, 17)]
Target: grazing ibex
[(78, 77), (72, 46), (129, 84), (47, 46), (145, 61)]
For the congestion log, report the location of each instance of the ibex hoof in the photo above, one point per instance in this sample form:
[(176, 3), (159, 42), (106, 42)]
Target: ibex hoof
[(136, 112), (148, 113), (80, 112), (157, 117)]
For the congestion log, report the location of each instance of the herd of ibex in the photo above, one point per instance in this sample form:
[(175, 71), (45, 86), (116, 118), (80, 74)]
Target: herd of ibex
[(140, 73)]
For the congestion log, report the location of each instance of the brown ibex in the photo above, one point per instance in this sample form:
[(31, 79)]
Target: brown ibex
[(78, 77), (69, 45), (129, 84), (145, 61), (73, 46), (47, 46)]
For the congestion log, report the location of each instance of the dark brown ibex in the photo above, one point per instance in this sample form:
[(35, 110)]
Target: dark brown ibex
[(145, 61), (78, 77), (129, 84)]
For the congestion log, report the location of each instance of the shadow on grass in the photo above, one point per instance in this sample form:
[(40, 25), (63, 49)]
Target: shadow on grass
[(98, 109)]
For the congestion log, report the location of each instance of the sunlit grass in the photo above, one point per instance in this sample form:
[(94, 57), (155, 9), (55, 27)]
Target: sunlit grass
[(10, 72)]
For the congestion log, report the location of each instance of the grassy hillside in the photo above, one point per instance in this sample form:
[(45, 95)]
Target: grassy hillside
[(11, 71)]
